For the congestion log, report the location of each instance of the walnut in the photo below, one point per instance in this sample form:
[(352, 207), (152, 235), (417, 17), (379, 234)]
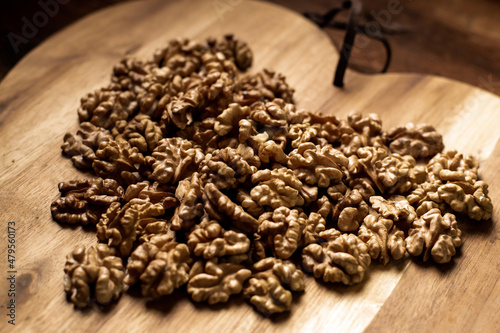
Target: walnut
[(104, 108), (118, 226), (382, 237), (83, 201), (301, 133), (214, 282), (350, 211), (425, 192), (235, 50), (317, 165), (397, 208), (140, 132), (341, 259), (360, 132), (265, 287), (268, 150), (158, 89), (161, 268), (173, 159), (129, 74), (98, 268), (155, 193), (315, 224), (179, 110), (181, 55), (246, 201), (327, 126), (398, 174), (226, 168), (280, 187), (219, 206), (420, 140), (434, 235), (451, 166), (208, 239), (118, 160), (470, 199), (263, 86), (277, 113), (189, 193), (142, 256), (83, 145), (281, 231), (230, 118)]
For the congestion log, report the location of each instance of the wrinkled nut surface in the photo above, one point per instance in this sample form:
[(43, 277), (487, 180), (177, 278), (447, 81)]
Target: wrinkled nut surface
[(265, 289), (434, 235), (208, 239), (342, 259), (93, 272), (201, 162), (83, 201), (161, 268), (215, 282)]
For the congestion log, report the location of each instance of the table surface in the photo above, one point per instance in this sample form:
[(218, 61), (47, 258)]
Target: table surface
[(458, 39), (39, 98)]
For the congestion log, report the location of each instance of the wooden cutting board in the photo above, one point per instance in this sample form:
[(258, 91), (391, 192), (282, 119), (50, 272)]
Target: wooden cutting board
[(38, 103)]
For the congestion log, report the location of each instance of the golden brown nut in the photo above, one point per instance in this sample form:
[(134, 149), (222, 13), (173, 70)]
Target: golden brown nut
[(317, 165), (214, 282), (230, 118), (341, 259), (470, 199), (301, 133), (83, 145), (397, 208), (434, 235), (161, 268), (142, 256), (398, 174), (315, 224), (234, 50), (93, 271), (246, 201), (452, 166), (104, 108), (140, 132), (208, 239), (129, 74), (119, 161), (265, 287), (268, 150), (225, 168), (281, 231), (155, 193), (220, 207), (118, 226), (189, 193), (280, 187), (350, 211), (382, 237), (277, 113), (263, 86), (420, 140), (83, 201), (174, 159)]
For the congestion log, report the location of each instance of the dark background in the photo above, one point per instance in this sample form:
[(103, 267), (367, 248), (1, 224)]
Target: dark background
[(458, 39)]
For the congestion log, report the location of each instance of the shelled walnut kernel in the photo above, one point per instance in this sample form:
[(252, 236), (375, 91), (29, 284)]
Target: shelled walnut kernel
[(214, 179)]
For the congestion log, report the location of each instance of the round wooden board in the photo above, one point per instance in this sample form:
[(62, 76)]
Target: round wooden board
[(38, 103)]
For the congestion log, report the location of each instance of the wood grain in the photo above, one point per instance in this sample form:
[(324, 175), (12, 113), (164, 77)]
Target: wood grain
[(38, 102)]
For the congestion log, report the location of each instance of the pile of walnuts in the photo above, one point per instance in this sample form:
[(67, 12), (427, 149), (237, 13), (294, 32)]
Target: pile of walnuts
[(211, 179)]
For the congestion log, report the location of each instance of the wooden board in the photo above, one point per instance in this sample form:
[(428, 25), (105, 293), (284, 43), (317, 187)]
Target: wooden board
[(38, 102)]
